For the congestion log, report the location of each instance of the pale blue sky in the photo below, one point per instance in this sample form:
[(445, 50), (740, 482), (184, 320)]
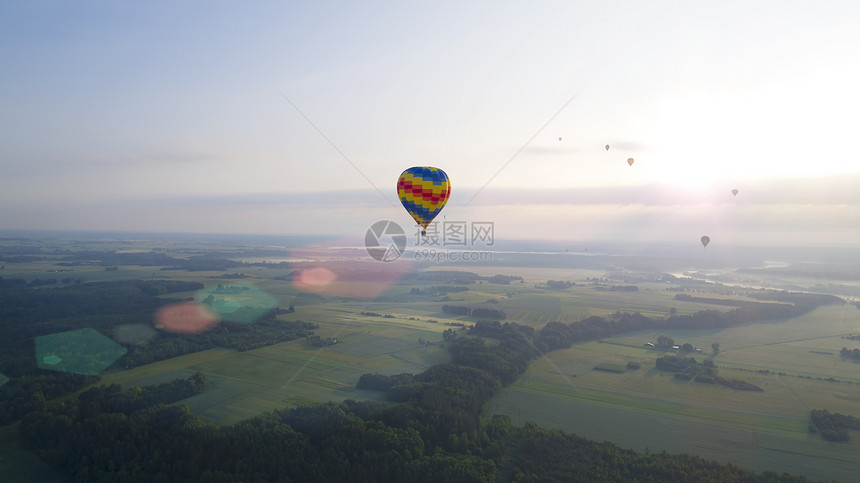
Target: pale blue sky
[(170, 116)]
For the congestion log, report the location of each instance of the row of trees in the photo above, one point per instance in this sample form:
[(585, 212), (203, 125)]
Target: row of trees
[(493, 314), (112, 399), (503, 279), (710, 300), (687, 368), (679, 364), (832, 426), (559, 284), (557, 335), (349, 441), (110, 258), (617, 288), (665, 342), (438, 290), (454, 277), (850, 353), (266, 331)]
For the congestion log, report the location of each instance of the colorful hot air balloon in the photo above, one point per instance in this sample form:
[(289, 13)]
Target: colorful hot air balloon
[(630, 161), (735, 192), (607, 147), (423, 190), (705, 240)]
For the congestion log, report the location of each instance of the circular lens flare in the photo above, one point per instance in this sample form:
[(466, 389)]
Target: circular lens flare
[(314, 279), (185, 318)]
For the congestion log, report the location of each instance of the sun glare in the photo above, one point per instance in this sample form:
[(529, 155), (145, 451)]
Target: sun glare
[(693, 149)]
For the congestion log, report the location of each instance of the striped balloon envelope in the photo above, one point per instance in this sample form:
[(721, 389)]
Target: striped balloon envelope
[(423, 190)]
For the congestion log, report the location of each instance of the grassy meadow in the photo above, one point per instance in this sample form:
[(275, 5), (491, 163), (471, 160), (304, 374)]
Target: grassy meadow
[(649, 409), (587, 389)]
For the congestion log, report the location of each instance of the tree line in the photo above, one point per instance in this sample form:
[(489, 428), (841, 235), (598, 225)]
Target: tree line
[(493, 314), (832, 426), (557, 335), (687, 368), (435, 434), (267, 330), (853, 354)]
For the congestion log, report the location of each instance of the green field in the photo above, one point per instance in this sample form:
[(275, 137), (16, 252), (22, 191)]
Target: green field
[(586, 389), (647, 408), (759, 442), (641, 409), (244, 384)]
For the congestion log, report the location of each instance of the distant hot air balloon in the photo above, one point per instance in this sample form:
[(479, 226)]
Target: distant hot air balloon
[(607, 147), (630, 161), (423, 191), (735, 192), (705, 240)]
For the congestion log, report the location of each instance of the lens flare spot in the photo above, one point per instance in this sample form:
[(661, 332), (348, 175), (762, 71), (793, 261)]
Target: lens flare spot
[(313, 279), (360, 280), (185, 318), (81, 351), (239, 302)]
